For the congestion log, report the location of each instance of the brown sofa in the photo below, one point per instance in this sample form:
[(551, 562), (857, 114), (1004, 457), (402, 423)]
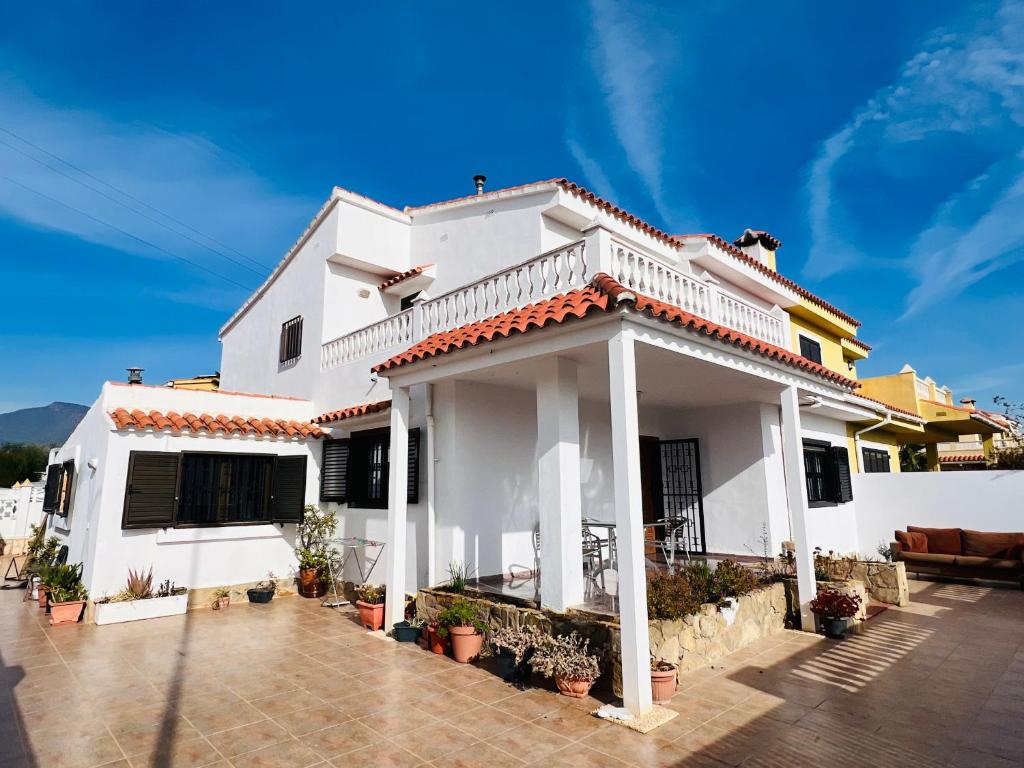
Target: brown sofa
[(961, 553)]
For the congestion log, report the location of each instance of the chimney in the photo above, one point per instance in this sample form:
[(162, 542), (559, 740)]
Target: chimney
[(479, 180), (759, 245), (970, 402), (135, 375)]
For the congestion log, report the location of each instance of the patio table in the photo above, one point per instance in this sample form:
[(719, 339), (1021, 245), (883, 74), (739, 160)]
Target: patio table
[(351, 547)]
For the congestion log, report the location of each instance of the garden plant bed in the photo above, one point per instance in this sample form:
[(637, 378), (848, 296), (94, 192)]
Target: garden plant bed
[(135, 610)]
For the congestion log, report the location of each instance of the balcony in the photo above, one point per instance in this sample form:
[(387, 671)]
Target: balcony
[(547, 275)]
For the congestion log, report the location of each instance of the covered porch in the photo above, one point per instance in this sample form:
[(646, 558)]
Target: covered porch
[(622, 429)]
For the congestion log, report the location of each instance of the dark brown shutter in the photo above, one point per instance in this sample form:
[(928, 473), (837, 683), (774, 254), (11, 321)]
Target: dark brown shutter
[(151, 493), (843, 482), (290, 346), (289, 494), (52, 487), (413, 489), (334, 470), (66, 488)]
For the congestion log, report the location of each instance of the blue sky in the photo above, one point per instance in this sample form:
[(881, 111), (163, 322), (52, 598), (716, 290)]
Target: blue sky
[(883, 143)]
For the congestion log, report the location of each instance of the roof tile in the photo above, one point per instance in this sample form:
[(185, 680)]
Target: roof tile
[(355, 410), (603, 294), (402, 276), (963, 458), (189, 422)]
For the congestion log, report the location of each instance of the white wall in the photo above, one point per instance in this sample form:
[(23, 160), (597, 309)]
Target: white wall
[(832, 527), (19, 507), (981, 501)]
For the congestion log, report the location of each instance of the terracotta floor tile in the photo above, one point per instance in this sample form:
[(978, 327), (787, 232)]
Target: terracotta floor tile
[(187, 754), (302, 721), (156, 736), (577, 755), (382, 755), (340, 739), (285, 754), (529, 742), (436, 740), (479, 756), (208, 721), (247, 738)]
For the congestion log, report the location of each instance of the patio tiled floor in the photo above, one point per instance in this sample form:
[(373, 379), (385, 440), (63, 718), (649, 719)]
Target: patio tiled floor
[(940, 683)]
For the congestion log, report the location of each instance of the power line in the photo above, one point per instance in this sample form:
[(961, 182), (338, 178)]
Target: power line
[(130, 196), (124, 232)]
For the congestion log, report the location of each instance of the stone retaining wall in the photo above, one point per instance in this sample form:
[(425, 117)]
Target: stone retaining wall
[(883, 582)]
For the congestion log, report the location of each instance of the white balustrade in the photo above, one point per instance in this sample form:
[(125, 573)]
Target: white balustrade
[(393, 331), (646, 275), (746, 318), (539, 278)]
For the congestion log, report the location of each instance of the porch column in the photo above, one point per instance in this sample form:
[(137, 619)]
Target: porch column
[(398, 459), (931, 454), (796, 495), (558, 470), (629, 524)]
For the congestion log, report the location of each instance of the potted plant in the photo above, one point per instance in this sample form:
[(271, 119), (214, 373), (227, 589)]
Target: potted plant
[(67, 593), (565, 658), (221, 598), (513, 649), (313, 550), (437, 641), (263, 592), (663, 680), (408, 631), (371, 606), (141, 600), (460, 623), (835, 609)]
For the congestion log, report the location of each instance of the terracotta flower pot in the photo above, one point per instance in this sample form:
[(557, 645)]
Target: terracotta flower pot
[(311, 583), (371, 615), (438, 644), (223, 602), (66, 613), (663, 685), (577, 689), (466, 643), (43, 591)]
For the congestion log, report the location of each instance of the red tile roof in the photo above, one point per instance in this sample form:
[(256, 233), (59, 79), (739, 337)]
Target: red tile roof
[(404, 276), (220, 424), (751, 236), (350, 413), (773, 275), (602, 295), (965, 458), (858, 343)]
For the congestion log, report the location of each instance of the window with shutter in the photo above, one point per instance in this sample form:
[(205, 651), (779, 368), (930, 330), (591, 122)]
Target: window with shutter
[(876, 460), (52, 488), (334, 470), (289, 489), (819, 473), (368, 469), (224, 488), (412, 495), (151, 493), (290, 347), (843, 488), (65, 488), (810, 349)]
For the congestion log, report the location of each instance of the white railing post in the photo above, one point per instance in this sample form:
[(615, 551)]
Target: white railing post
[(598, 244), (714, 298), (785, 328), (416, 328)]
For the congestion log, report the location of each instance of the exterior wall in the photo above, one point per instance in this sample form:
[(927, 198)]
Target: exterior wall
[(831, 349), (191, 557), (897, 389), (18, 508), (877, 439), (978, 500)]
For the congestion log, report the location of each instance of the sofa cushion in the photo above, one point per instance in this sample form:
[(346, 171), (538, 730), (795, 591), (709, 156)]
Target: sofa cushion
[(928, 558), (944, 541), (912, 542), (991, 563), (1001, 545)]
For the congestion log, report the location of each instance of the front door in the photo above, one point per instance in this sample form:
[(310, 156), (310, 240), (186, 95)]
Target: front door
[(682, 498), (650, 484)]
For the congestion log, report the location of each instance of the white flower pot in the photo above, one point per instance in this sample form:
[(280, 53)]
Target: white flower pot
[(729, 610), (134, 610)]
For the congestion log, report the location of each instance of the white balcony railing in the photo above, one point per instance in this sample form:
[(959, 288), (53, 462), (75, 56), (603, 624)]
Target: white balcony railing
[(545, 276)]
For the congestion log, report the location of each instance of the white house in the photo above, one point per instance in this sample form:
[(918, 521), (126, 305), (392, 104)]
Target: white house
[(492, 371), (21, 505)]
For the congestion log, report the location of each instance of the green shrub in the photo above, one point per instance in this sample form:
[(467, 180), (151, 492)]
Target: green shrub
[(672, 595), (732, 579), (459, 614)]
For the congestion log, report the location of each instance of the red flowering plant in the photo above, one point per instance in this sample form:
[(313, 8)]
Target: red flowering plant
[(833, 604)]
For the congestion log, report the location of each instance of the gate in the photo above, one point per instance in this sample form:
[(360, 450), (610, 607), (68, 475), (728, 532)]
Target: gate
[(682, 496)]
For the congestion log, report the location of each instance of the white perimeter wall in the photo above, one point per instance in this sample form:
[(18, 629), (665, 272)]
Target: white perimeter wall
[(981, 501), (834, 527)]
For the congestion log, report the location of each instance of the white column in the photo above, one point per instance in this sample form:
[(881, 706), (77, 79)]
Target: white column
[(629, 524), (558, 471), (398, 458), (796, 495)]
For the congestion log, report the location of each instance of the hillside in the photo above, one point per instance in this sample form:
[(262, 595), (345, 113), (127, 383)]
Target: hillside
[(46, 425)]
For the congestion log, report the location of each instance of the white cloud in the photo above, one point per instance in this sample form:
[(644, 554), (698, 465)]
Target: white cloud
[(631, 63), (594, 175), (967, 84), (182, 174)]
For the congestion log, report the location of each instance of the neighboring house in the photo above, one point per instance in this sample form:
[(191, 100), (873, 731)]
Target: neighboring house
[(21, 506), (208, 382), (491, 371), (954, 436), (204, 487)]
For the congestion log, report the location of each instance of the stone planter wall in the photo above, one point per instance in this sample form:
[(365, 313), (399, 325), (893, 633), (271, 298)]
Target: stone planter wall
[(696, 641)]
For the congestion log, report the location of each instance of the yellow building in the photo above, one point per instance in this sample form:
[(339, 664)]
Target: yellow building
[(207, 382)]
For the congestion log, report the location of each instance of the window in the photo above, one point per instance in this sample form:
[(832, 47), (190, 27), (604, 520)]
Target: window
[(211, 489), (407, 301), (827, 471), (291, 340), (876, 460), (810, 349), (60, 483), (356, 469)]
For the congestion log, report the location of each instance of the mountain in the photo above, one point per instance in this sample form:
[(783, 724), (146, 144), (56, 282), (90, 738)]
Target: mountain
[(47, 425)]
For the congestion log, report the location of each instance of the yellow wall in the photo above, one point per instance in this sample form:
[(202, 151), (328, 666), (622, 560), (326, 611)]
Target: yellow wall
[(875, 436), (896, 389), (831, 350)]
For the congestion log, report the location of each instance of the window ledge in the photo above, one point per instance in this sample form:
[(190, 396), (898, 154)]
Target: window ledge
[(226, 533)]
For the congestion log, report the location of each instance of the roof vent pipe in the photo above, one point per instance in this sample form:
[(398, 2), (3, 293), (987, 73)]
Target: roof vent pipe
[(135, 375), (479, 180)]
